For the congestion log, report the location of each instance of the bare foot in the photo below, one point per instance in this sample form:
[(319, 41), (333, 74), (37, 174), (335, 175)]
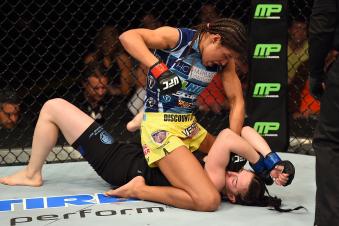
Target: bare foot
[(135, 123), (21, 178), (128, 190)]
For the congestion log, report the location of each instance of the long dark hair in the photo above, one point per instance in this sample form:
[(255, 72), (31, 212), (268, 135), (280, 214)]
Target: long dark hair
[(255, 196), (232, 32)]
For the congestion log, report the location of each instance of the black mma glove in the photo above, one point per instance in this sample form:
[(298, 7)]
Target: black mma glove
[(264, 166), (289, 169), (236, 163), (168, 81)]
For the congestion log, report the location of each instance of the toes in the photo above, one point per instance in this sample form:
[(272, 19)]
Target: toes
[(110, 193), (3, 181)]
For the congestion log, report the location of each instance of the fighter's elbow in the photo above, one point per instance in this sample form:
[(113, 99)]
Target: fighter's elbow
[(126, 36)]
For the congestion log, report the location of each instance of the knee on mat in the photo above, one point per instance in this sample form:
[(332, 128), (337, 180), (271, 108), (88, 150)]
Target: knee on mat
[(210, 202)]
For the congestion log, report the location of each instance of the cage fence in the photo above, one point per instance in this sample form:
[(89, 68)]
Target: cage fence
[(52, 49)]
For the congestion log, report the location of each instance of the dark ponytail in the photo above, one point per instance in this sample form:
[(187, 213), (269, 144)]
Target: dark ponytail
[(232, 32), (255, 196)]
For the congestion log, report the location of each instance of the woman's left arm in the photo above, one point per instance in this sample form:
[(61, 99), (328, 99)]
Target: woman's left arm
[(233, 90)]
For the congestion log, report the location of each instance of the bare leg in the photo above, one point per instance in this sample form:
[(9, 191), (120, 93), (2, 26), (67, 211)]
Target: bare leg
[(55, 114), (207, 143), (191, 189), (185, 173), (129, 189), (136, 188), (135, 123)]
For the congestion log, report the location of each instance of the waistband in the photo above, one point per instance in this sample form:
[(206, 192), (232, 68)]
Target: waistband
[(168, 117)]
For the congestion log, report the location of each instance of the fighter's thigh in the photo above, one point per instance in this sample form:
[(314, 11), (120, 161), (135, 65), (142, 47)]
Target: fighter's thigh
[(183, 171), (207, 143), (71, 120)]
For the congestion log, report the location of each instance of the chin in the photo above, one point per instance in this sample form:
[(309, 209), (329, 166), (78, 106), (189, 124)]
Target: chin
[(207, 64)]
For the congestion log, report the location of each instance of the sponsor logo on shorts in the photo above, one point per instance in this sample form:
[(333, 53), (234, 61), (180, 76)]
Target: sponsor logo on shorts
[(95, 132), (165, 151), (146, 149), (177, 118), (159, 136), (106, 138), (162, 146), (191, 131)]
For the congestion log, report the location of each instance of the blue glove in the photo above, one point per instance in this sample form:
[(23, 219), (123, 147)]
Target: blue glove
[(264, 166), (261, 170)]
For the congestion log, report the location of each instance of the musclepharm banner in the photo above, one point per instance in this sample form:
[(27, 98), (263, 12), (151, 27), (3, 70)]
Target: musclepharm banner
[(267, 93)]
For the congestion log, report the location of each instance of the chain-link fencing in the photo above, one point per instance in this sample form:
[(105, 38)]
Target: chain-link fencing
[(52, 49)]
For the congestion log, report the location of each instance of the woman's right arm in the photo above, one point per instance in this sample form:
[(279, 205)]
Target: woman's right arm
[(255, 140), (262, 147), (137, 42)]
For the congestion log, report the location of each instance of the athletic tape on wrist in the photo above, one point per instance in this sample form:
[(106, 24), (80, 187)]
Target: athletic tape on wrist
[(271, 160), (158, 69), (259, 166)]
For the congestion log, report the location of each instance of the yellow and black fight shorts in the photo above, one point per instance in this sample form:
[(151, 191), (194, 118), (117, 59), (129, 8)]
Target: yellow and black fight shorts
[(161, 133)]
